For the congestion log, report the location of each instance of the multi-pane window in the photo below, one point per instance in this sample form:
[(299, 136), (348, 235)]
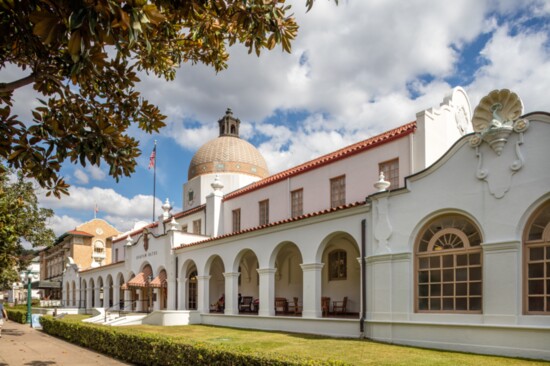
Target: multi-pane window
[(197, 227), (537, 261), (449, 266), (338, 191), (337, 269), (237, 220), (296, 202), (391, 172), (264, 212)]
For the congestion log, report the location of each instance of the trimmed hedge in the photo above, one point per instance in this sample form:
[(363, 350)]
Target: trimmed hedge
[(17, 315), (148, 349)]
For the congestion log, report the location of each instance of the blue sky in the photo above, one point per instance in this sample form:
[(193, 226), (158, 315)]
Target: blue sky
[(356, 70)]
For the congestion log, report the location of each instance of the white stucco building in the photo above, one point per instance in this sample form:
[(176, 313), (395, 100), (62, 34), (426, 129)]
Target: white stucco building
[(455, 254)]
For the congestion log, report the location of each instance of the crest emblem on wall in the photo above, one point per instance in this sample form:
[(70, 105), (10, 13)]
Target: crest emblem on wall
[(145, 240)]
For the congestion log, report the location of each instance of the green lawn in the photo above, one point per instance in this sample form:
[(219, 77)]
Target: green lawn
[(350, 351)]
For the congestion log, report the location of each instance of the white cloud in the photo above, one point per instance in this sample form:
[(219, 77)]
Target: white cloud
[(96, 172), (81, 177), (111, 204), (62, 224), (518, 62)]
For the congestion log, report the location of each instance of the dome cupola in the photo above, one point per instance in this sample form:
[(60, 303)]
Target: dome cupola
[(228, 153)]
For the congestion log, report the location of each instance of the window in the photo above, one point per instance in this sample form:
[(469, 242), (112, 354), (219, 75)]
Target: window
[(338, 191), (448, 266), (337, 265), (116, 254), (264, 212), (391, 172), (237, 220), (185, 229), (296, 202), (197, 227), (536, 283)]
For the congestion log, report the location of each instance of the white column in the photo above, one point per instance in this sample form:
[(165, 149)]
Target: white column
[(231, 293), (312, 289), (106, 296), (203, 296), (97, 300), (156, 294), (116, 296), (171, 298), (182, 293), (267, 291), (78, 297), (127, 300), (89, 297)]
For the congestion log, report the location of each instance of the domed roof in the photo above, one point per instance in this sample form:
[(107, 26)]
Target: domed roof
[(228, 153)]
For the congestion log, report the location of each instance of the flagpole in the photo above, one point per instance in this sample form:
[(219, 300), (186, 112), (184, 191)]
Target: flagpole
[(154, 177)]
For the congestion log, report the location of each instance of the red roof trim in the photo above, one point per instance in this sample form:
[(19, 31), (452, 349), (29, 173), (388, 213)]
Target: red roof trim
[(101, 267), (80, 233), (328, 158), (285, 221), (178, 215)]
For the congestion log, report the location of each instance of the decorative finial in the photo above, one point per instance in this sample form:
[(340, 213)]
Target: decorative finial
[(382, 184), (166, 207), (217, 185), (229, 112), (129, 241)]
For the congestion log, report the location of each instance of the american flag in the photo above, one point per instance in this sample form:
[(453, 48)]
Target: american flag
[(153, 157)]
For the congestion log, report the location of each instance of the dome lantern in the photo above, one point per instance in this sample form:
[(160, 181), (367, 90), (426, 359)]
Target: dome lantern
[(229, 125)]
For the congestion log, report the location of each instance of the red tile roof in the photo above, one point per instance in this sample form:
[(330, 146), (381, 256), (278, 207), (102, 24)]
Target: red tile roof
[(271, 224), (329, 158), (101, 267), (80, 233), (140, 280), (160, 280)]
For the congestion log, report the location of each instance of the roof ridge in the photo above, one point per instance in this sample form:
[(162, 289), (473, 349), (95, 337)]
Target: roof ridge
[(275, 223), (352, 149)]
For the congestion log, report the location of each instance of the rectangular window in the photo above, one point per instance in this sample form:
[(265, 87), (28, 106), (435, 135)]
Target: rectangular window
[(391, 172), (264, 212), (237, 220), (296, 202), (337, 265), (197, 227), (338, 191), (185, 229), (116, 254)]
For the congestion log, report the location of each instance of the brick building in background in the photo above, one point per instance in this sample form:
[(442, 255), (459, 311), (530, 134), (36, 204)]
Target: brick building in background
[(87, 246)]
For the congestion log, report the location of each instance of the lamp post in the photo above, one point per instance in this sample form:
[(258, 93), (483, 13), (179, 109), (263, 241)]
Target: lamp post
[(28, 296)]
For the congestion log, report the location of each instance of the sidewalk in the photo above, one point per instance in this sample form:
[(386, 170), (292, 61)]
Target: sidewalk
[(22, 345)]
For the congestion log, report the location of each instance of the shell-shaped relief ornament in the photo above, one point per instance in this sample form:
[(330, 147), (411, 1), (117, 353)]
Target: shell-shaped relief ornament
[(497, 109)]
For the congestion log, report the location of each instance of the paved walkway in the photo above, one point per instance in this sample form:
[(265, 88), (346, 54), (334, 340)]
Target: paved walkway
[(22, 345)]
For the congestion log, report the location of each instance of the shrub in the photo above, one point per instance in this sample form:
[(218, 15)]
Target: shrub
[(147, 349), (17, 315)]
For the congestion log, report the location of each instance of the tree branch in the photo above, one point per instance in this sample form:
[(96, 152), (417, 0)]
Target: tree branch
[(8, 87)]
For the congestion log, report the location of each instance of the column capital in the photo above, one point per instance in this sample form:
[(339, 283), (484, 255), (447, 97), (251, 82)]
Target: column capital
[(262, 271), (203, 278), (312, 266), (231, 274)]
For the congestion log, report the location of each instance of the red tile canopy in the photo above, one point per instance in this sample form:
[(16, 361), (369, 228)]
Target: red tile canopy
[(160, 280), (140, 280)]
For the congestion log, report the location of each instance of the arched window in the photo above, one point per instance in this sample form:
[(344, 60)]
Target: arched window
[(337, 269), (448, 266), (536, 283)]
